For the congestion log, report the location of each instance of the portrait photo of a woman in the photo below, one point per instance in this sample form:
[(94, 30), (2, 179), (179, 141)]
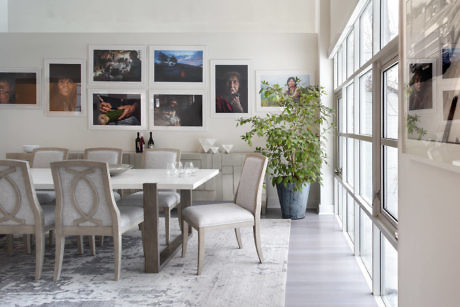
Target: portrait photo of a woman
[(421, 86), (65, 87)]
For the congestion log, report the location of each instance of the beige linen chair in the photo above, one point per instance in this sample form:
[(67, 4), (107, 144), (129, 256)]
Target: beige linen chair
[(103, 154), (245, 211), (159, 158), (41, 158), (20, 211), (85, 207)]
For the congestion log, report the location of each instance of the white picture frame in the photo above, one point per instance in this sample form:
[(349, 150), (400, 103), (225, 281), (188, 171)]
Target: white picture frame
[(118, 59), (164, 95), (219, 68), (178, 67), (65, 72), (279, 77), (116, 96), (11, 74)]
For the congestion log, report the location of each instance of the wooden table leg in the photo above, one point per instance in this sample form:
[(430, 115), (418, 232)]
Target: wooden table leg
[(151, 234)]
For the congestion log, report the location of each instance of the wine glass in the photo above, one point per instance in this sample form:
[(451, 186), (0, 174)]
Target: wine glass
[(179, 168), (189, 168), (171, 169)]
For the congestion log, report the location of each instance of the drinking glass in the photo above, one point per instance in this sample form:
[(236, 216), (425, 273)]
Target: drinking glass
[(171, 169), (179, 169), (189, 168)]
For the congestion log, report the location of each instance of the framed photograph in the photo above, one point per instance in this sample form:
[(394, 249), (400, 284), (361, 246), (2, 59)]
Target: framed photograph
[(178, 66), (116, 109), (65, 87), (285, 79), (230, 84), (421, 85), (20, 88), (450, 62), (177, 110), (109, 65)]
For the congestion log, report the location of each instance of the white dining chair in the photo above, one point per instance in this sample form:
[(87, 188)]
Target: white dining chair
[(41, 158), (244, 211), (159, 158), (85, 206), (20, 211), (111, 156)]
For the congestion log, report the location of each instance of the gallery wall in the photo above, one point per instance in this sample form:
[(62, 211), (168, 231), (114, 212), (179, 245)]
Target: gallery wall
[(27, 126)]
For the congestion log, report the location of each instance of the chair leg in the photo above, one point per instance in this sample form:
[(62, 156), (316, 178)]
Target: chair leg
[(184, 237), (9, 245), (39, 254), (238, 238), (117, 252), (27, 243), (51, 238), (200, 250), (80, 242), (167, 212), (100, 240), (60, 243), (256, 229), (92, 245), (141, 229), (179, 214)]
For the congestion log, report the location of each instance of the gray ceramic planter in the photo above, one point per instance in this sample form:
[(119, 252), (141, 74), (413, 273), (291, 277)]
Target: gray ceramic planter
[(293, 203)]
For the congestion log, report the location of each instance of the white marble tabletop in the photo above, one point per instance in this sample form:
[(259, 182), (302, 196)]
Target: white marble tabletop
[(135, 178)]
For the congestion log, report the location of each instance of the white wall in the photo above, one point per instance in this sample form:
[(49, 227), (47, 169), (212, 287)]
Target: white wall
[(18, 127), (291, 16), (341, 11), (429, 241), (3, 15)]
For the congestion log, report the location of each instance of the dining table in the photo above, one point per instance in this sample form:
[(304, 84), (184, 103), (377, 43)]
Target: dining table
[(149, 180)]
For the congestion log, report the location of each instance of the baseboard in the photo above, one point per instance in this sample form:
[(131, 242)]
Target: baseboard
[(326, 209)]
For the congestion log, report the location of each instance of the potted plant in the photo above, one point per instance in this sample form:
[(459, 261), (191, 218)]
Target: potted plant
[(292, 143)]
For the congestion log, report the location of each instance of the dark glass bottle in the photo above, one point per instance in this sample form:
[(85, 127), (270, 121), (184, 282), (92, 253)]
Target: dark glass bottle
[(150, 143), (141, 144), (138, 143)]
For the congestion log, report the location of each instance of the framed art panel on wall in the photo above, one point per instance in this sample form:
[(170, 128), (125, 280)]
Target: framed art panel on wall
[(116, 109), (232, 88), (284, 79), (20, 88), (178, 66), (182, 110), (65, 87), (112, 65)]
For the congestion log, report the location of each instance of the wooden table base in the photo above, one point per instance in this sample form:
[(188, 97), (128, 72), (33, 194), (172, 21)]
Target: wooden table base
[(154, 258)]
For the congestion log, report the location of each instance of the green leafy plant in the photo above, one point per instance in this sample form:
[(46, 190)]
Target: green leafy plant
[(413, 128), (293, 142)]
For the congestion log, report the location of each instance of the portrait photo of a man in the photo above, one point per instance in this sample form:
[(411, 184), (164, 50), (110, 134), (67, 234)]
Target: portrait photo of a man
[(231, 88)]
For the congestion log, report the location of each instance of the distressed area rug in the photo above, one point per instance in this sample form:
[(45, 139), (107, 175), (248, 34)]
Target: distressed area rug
[(230, 276)]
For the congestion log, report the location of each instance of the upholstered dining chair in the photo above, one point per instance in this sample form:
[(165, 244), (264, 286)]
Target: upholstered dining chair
[(111, 156), (103, 154), (244, 211), (20, 211), (85, 206), (159, 158), (41, 158)]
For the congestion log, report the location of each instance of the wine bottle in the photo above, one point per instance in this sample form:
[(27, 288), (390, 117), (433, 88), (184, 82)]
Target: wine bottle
[(141, 144), (150, 142), (138, 143)]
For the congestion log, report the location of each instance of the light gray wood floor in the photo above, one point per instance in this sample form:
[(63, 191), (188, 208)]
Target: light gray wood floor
[(322, 270)]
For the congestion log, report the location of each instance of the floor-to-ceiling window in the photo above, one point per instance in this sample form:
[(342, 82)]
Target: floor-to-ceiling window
[(366, 89)]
